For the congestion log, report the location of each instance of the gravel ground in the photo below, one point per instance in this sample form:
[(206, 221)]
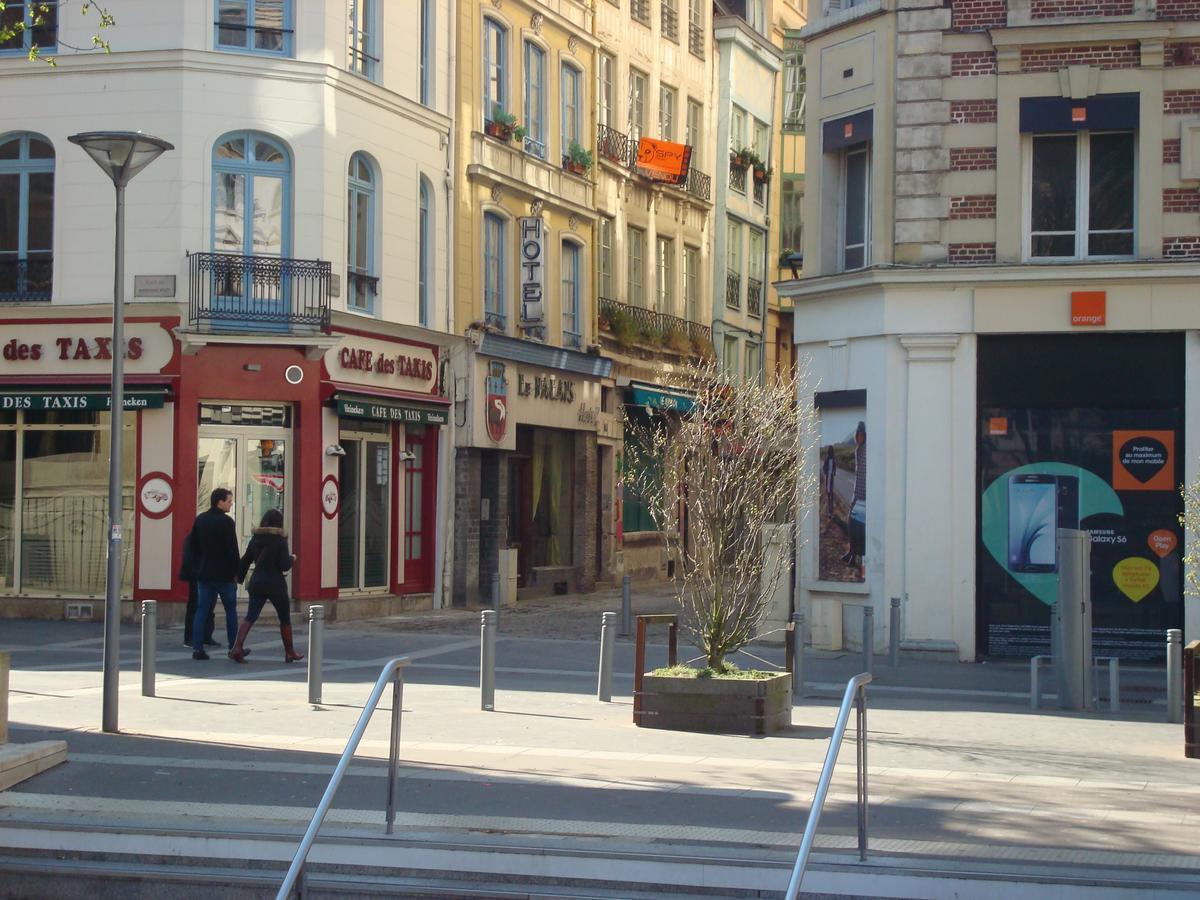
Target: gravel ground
[(565, 617)]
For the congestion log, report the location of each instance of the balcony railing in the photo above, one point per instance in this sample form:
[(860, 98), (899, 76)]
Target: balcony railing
[(699, 184), (649, 321), (760, 192), (733, 289), (613, 145), (640, 10), (572, 339), (696, 40), (754, 291), (737, 178), (258, 293), (361, 291), (25, 280), (497, 320), (535, 148), (670, 21)]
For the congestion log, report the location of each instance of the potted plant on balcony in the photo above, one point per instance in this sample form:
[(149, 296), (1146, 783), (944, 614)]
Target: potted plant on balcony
[(741, 158), (577, 160), (678, 342), (503, 126), (762, 174)]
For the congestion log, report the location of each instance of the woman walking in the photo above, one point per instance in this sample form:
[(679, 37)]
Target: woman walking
[(268, 552)]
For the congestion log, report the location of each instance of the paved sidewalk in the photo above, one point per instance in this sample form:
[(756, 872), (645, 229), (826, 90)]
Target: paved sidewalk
[(959, 765)]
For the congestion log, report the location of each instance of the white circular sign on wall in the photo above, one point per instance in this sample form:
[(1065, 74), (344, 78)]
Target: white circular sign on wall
[(293, 374), (330, 497), (156, 496)]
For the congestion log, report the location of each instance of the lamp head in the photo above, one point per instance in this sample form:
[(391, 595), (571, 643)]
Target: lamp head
[(121, 154)]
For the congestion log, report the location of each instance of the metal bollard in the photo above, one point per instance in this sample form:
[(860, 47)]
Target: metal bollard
[(1174, 676), (496, 591), (798, 654), (894, 633), (149, 639), (487, 659), (626, 606), (868, 639), (608, 624), (316, 651)]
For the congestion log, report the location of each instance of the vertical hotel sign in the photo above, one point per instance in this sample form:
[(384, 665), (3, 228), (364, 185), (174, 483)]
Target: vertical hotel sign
[(533, 270)]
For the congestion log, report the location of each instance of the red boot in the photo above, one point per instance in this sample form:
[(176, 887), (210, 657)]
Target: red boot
[(237, 652), (289, 650)]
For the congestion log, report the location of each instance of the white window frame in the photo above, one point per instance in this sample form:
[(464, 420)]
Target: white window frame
[(843, 205), (635, 265), (668, 99), (637, 123), (535, 98), (665, 280), (362, 57), (605, 90), (605, 272), (570, 91), (495, 69)]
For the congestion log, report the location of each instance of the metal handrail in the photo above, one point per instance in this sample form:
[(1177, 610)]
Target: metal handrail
[(855, 691), (393, 671)]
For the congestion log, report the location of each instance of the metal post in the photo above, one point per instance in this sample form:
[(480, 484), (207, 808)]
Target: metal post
[(868, 639), (626, 606), (894, 633), (496, 591), (316, 651), (394, 747), (1174, 676), (798, 654), (487, 659), (149, 629), (861, 735), (608, 623), (112, 595), (1114, 684)]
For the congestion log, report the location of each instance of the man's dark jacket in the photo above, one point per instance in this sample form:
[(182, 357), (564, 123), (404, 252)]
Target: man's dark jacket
[(215, 547)]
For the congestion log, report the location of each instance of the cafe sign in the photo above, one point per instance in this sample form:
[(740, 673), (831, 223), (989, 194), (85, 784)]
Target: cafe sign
[(385, 364), (43, 401), (82, 348), (369, 408)]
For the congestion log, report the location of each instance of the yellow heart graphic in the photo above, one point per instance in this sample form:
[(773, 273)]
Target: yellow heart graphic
[(1136, 577)]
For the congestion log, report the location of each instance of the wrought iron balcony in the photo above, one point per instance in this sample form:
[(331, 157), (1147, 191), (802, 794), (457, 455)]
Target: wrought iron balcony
[(361, 291), (699, 184), (497, 320), (613, 145), (535, 148), (258, 293), (572, 339), (754, 292), (670, 21), (737, 178), (733, 289), (641, 323), (760, 192), (696, 40), (26, 280)]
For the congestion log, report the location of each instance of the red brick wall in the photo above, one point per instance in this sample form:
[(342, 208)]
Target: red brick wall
[(1181, 103), (1177, 247), (971, 112), (1067, 9), (1171, 151), (1181, 53), (979, 15), (1181, 200), (973, 206), (972, 159), (1106, 56), (961, 254), (1179, 9), (973, 62)]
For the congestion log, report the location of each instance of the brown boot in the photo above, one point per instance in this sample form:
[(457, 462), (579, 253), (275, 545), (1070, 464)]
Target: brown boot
[(237, 652), (289, 651)]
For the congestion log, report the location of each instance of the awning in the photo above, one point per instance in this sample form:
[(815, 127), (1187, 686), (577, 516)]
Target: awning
[(362, 407), (83, 398), (660, 398)]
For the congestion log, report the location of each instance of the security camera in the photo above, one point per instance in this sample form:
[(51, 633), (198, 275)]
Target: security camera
[(335, 450)]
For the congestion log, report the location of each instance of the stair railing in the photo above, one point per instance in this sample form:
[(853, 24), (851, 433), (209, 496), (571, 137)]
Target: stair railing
[(393, 672), (855, 693)]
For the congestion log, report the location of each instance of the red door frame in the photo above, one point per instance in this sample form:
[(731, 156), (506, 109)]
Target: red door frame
[(421, 580)]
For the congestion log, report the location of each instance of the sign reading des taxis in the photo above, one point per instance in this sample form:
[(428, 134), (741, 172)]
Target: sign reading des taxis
[(81, 348), (383, 364)]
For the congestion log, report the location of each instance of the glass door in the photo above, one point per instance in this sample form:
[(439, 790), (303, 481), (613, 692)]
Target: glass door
[(364, 516)]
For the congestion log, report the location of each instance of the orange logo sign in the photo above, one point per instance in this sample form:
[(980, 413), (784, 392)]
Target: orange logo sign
[(1088, 308)]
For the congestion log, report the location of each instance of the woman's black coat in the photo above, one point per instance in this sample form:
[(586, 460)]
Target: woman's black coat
[(268, 552)]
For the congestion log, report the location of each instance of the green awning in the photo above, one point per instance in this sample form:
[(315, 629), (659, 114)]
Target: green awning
[(658, 398), (41, 401), (390, 410)]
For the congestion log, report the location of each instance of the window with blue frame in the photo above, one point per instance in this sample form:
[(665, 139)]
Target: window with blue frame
[(424, 249), (255, 26), (362, 278), (26, 217), (33, 24), (568, 88), (427, 47), (572, 333), (495, 68), (495, 293), (535, 99), (362, 55)]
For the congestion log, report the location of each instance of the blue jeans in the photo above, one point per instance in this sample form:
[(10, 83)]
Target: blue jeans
[(206, 598)]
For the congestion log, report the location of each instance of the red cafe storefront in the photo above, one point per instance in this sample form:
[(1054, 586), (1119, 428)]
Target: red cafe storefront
[(339, 431)]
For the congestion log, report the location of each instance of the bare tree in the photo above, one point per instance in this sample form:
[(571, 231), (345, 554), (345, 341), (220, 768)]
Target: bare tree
[(1190, 520), (33, 15), (737, 461)]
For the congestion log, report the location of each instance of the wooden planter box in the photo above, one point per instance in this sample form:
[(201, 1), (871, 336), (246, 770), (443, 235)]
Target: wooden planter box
[(738, 705)]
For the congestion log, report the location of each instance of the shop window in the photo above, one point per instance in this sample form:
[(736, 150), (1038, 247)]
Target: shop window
[(495, 68), (256, 26), (855, 230), (571, 324), (54, 502), (364, 476), (26, 217), (1081, 195), (362, 53), (362, 276), (551, 485), (635, 506), (495, 279), (34, 23), (535, 99)]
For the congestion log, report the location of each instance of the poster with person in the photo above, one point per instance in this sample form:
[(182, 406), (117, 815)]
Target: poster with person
[(842, 472)]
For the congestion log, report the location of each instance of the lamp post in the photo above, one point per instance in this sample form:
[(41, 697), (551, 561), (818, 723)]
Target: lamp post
[(121, 154)]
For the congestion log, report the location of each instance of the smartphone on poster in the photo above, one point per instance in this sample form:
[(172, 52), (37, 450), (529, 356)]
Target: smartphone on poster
[(1068, 500), (1032, 520)]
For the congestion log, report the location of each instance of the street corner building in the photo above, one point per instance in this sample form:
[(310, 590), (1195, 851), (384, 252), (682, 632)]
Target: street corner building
[(288, 310), (1000, 266)]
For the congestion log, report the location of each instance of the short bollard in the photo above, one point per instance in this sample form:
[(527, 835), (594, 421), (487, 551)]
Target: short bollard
[(608, 624), (868, 639), (316, 651), (487, 659), (149, 639), (798, 654), (626, 606), (1174, 676), (894, 633)]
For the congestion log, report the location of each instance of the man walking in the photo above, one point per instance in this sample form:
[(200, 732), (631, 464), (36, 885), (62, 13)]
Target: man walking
[(215, 544)]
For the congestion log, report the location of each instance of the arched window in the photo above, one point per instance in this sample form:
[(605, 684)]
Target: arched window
[(571, 323), (252, 204), (495, 288), (424, 251), (495, 68), (26, 217), (39, 25), (362, 276)]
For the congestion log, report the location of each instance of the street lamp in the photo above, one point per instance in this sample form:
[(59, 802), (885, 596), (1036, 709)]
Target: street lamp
[(121, 154)]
